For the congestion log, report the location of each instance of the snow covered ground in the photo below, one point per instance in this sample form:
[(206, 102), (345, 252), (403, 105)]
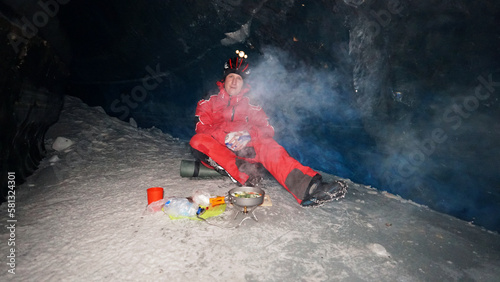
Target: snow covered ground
[(82, 217)]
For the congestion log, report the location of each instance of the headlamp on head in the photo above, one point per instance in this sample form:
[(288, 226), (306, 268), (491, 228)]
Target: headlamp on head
[(237, 65), (241, 54)]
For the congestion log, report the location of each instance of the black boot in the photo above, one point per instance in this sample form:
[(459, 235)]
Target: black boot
[(207, 160), (320, 192), (254, 171)]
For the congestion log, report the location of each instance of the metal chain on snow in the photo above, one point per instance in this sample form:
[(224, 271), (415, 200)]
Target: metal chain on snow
[(339, 194)]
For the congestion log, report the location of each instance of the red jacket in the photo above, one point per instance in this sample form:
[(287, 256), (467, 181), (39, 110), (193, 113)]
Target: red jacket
[(222, 114)]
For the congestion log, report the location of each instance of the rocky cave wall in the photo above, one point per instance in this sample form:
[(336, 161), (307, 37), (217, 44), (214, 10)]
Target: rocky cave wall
[(32, 83)]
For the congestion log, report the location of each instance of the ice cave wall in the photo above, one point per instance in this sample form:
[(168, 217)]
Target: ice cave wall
[(32, 81)]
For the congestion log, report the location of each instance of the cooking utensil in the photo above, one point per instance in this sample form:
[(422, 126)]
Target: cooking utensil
[(244, 201)]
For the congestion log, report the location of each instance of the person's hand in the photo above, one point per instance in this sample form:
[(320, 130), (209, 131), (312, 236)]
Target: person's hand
[(237, 140)]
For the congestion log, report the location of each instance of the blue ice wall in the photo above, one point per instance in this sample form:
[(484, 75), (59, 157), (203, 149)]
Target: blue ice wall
[(399, 95), (440, 149)]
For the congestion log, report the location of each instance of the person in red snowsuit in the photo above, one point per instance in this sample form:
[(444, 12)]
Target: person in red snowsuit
[(235, 138)]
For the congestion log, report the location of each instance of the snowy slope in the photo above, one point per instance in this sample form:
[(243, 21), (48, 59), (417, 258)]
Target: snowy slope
[(82, 217)]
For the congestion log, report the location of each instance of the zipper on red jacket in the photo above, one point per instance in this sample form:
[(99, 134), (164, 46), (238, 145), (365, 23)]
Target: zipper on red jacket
[(229, 104)]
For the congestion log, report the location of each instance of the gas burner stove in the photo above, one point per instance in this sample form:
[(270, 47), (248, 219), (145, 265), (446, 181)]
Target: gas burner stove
[(246, 199)]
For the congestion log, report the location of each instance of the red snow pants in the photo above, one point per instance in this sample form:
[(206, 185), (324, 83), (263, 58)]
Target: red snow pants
[(286, 170)]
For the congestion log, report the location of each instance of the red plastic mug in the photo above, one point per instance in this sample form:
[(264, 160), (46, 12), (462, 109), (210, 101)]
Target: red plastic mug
[(155, 194)]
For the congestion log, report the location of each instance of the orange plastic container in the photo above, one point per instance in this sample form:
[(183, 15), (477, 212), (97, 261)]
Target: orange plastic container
[(217, 201)]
